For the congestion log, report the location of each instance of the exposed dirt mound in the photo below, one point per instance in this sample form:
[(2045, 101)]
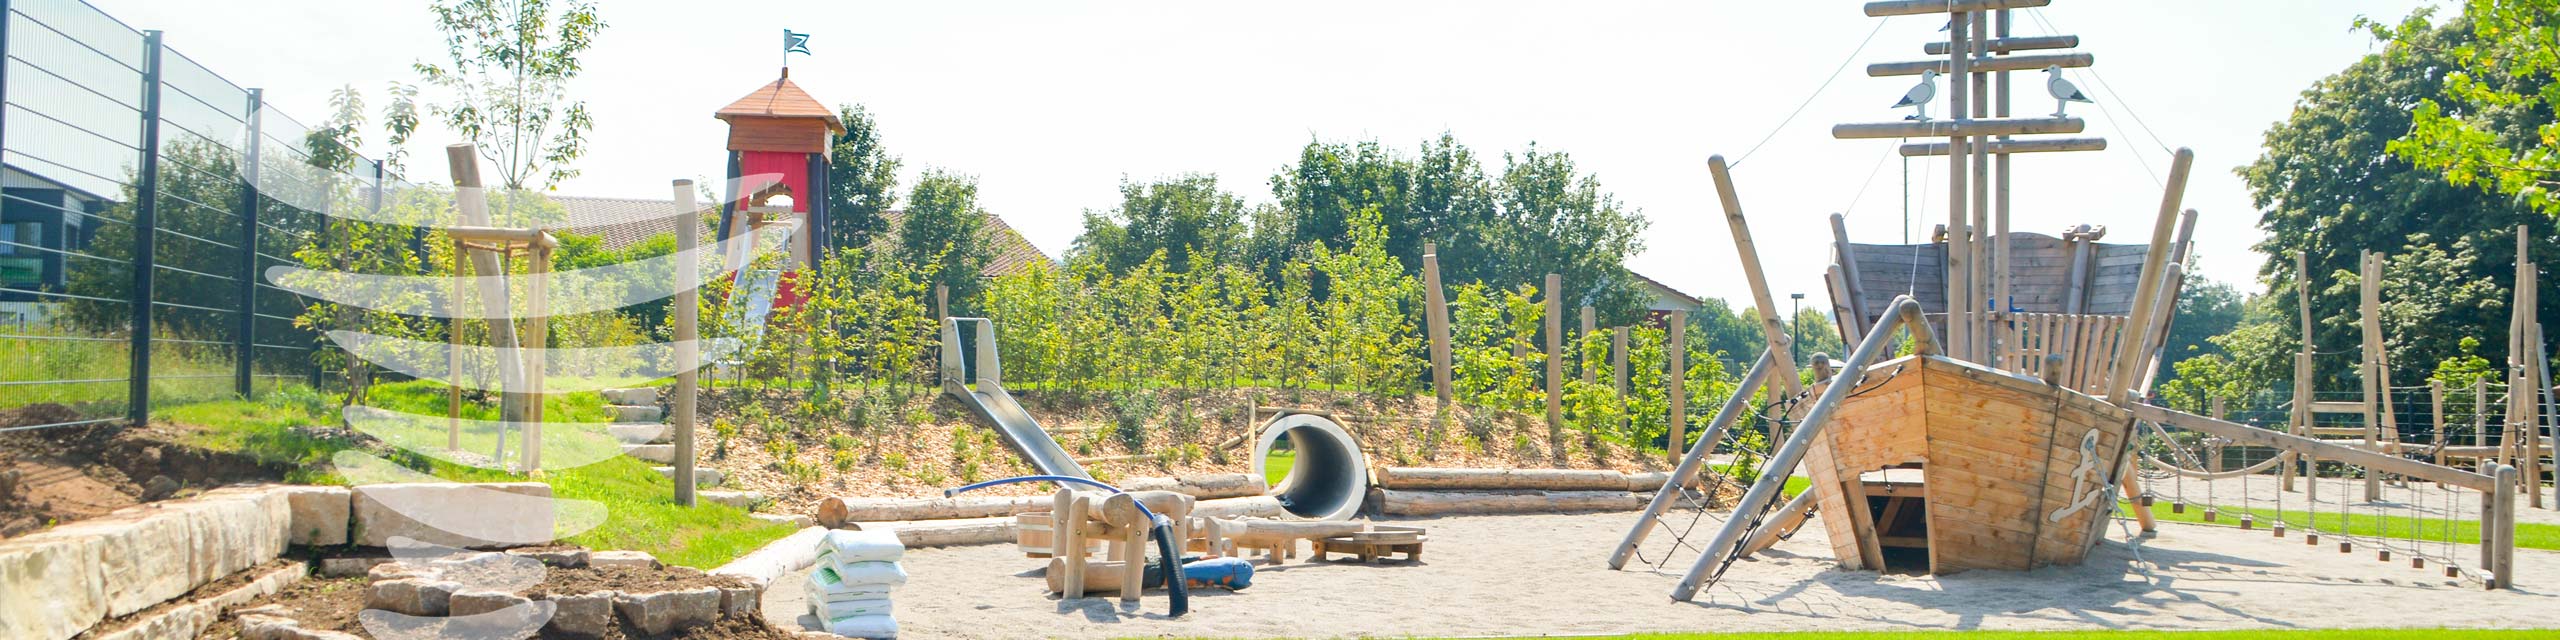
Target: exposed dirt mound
[(61, 474)]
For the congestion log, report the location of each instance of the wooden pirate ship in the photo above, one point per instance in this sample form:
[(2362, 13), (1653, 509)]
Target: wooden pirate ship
[(2001, 438)]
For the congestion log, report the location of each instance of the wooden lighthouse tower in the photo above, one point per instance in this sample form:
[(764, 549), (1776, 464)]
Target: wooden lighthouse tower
[(780, 129)]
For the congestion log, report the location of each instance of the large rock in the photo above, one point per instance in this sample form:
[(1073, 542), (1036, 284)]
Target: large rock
[(411, 596), (455, 514), (661, 612), (585, 615), (320, 514), (563, 558), (740, 499), (349, 567), (62, 570)]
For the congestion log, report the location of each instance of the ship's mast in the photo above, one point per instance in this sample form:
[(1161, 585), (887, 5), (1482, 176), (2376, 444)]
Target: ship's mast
[(1980, 135)]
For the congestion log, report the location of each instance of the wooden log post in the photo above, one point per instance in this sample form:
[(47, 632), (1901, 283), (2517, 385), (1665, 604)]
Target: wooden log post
[(1068, 509), (1555, 368), (687, 330), (2120, 385), (2303, 418), (2435, 411), (1771, 326), (1618, 379), (471, 204), (1436, 321), (1675, 351), (2369, 306), (2502, 555)]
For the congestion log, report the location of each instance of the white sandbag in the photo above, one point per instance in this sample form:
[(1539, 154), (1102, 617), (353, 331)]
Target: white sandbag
[(859, 574), (848, 546), (848, 609), (824, 586), (864, 627)]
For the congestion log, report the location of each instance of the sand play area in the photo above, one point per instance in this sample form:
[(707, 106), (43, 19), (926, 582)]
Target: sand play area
[(1501, 575)]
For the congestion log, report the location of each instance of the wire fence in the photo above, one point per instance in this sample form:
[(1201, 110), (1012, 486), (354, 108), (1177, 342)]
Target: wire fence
[(144, 194)]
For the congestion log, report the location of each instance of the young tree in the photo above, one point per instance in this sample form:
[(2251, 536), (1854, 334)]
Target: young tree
[(507, 73), (862, 181), (940, 234)]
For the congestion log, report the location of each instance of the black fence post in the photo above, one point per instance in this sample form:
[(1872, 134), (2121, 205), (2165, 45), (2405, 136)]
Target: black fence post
[(145, 231), (248, 335)]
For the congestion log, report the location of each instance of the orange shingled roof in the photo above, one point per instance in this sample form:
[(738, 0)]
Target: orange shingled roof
[(781, 99)]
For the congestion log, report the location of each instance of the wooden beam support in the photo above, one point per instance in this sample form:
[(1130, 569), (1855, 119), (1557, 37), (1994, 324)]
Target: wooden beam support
[(1967, 127), (1885, 8), (2000, 147), (2033, 62), (1771, 326), (2006, 45)]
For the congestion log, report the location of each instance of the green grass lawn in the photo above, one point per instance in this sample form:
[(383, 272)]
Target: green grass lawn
[(1276, 467), (2528, 535), (642, 514)]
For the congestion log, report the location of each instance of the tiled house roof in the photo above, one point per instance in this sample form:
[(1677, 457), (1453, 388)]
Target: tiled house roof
[(1012, 252)]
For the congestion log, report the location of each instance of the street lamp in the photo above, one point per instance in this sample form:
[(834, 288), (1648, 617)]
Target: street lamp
[(1795, 329)]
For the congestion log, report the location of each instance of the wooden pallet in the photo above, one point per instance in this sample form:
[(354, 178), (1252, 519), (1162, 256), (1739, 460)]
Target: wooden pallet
[(1374, 544)]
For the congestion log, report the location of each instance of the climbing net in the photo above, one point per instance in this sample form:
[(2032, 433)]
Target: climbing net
[(2210, 480)]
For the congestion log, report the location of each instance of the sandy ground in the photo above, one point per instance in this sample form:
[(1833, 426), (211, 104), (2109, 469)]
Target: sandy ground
[(1511, 575)]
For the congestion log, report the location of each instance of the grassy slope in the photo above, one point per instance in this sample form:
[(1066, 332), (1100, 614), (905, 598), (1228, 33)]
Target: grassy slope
[(643, 517)]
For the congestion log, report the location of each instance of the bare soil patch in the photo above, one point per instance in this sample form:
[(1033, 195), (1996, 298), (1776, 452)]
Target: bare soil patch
[(50, 476)]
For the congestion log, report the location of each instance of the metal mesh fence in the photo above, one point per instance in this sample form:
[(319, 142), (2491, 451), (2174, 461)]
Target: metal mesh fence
[(141, 197)]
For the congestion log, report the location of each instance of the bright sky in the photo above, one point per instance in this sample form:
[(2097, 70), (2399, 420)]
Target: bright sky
[(1051, 104)]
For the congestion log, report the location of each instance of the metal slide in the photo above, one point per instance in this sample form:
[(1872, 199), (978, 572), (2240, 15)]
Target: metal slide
[(988, 399)]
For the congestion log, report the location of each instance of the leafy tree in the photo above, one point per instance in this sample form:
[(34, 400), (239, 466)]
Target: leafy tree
[(1187, 218), (1368, 328), (2328, 185), (1554, 219), (507, 73), (940, 234), (2205, 309), (2492, 126), (862, 181)]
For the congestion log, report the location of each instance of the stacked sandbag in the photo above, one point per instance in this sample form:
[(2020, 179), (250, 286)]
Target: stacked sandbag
[(849, 590)]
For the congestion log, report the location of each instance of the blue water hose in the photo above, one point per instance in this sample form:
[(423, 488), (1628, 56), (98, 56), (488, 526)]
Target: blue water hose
[(1177, 588)]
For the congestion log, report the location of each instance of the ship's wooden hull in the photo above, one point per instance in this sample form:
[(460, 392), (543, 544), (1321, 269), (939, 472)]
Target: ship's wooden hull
[(1981, 469)]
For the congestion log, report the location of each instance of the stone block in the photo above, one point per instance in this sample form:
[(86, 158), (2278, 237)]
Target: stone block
[(584, 615), (632, 396), (478, 602), (633, 559), (661, 612), (62, 569), (740, 499), (636, 413), (741, 602), (349, 567), (563, 558), (641, 432), (658, 453), (455, 514), (320, 515)]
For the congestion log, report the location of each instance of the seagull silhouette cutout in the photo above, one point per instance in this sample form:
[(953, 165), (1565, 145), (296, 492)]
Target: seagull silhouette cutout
[(2064, 93), (1919, 96)]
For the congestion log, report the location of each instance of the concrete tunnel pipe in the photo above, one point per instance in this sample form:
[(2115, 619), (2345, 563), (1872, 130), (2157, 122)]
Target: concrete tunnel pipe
[(1331, 476)]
